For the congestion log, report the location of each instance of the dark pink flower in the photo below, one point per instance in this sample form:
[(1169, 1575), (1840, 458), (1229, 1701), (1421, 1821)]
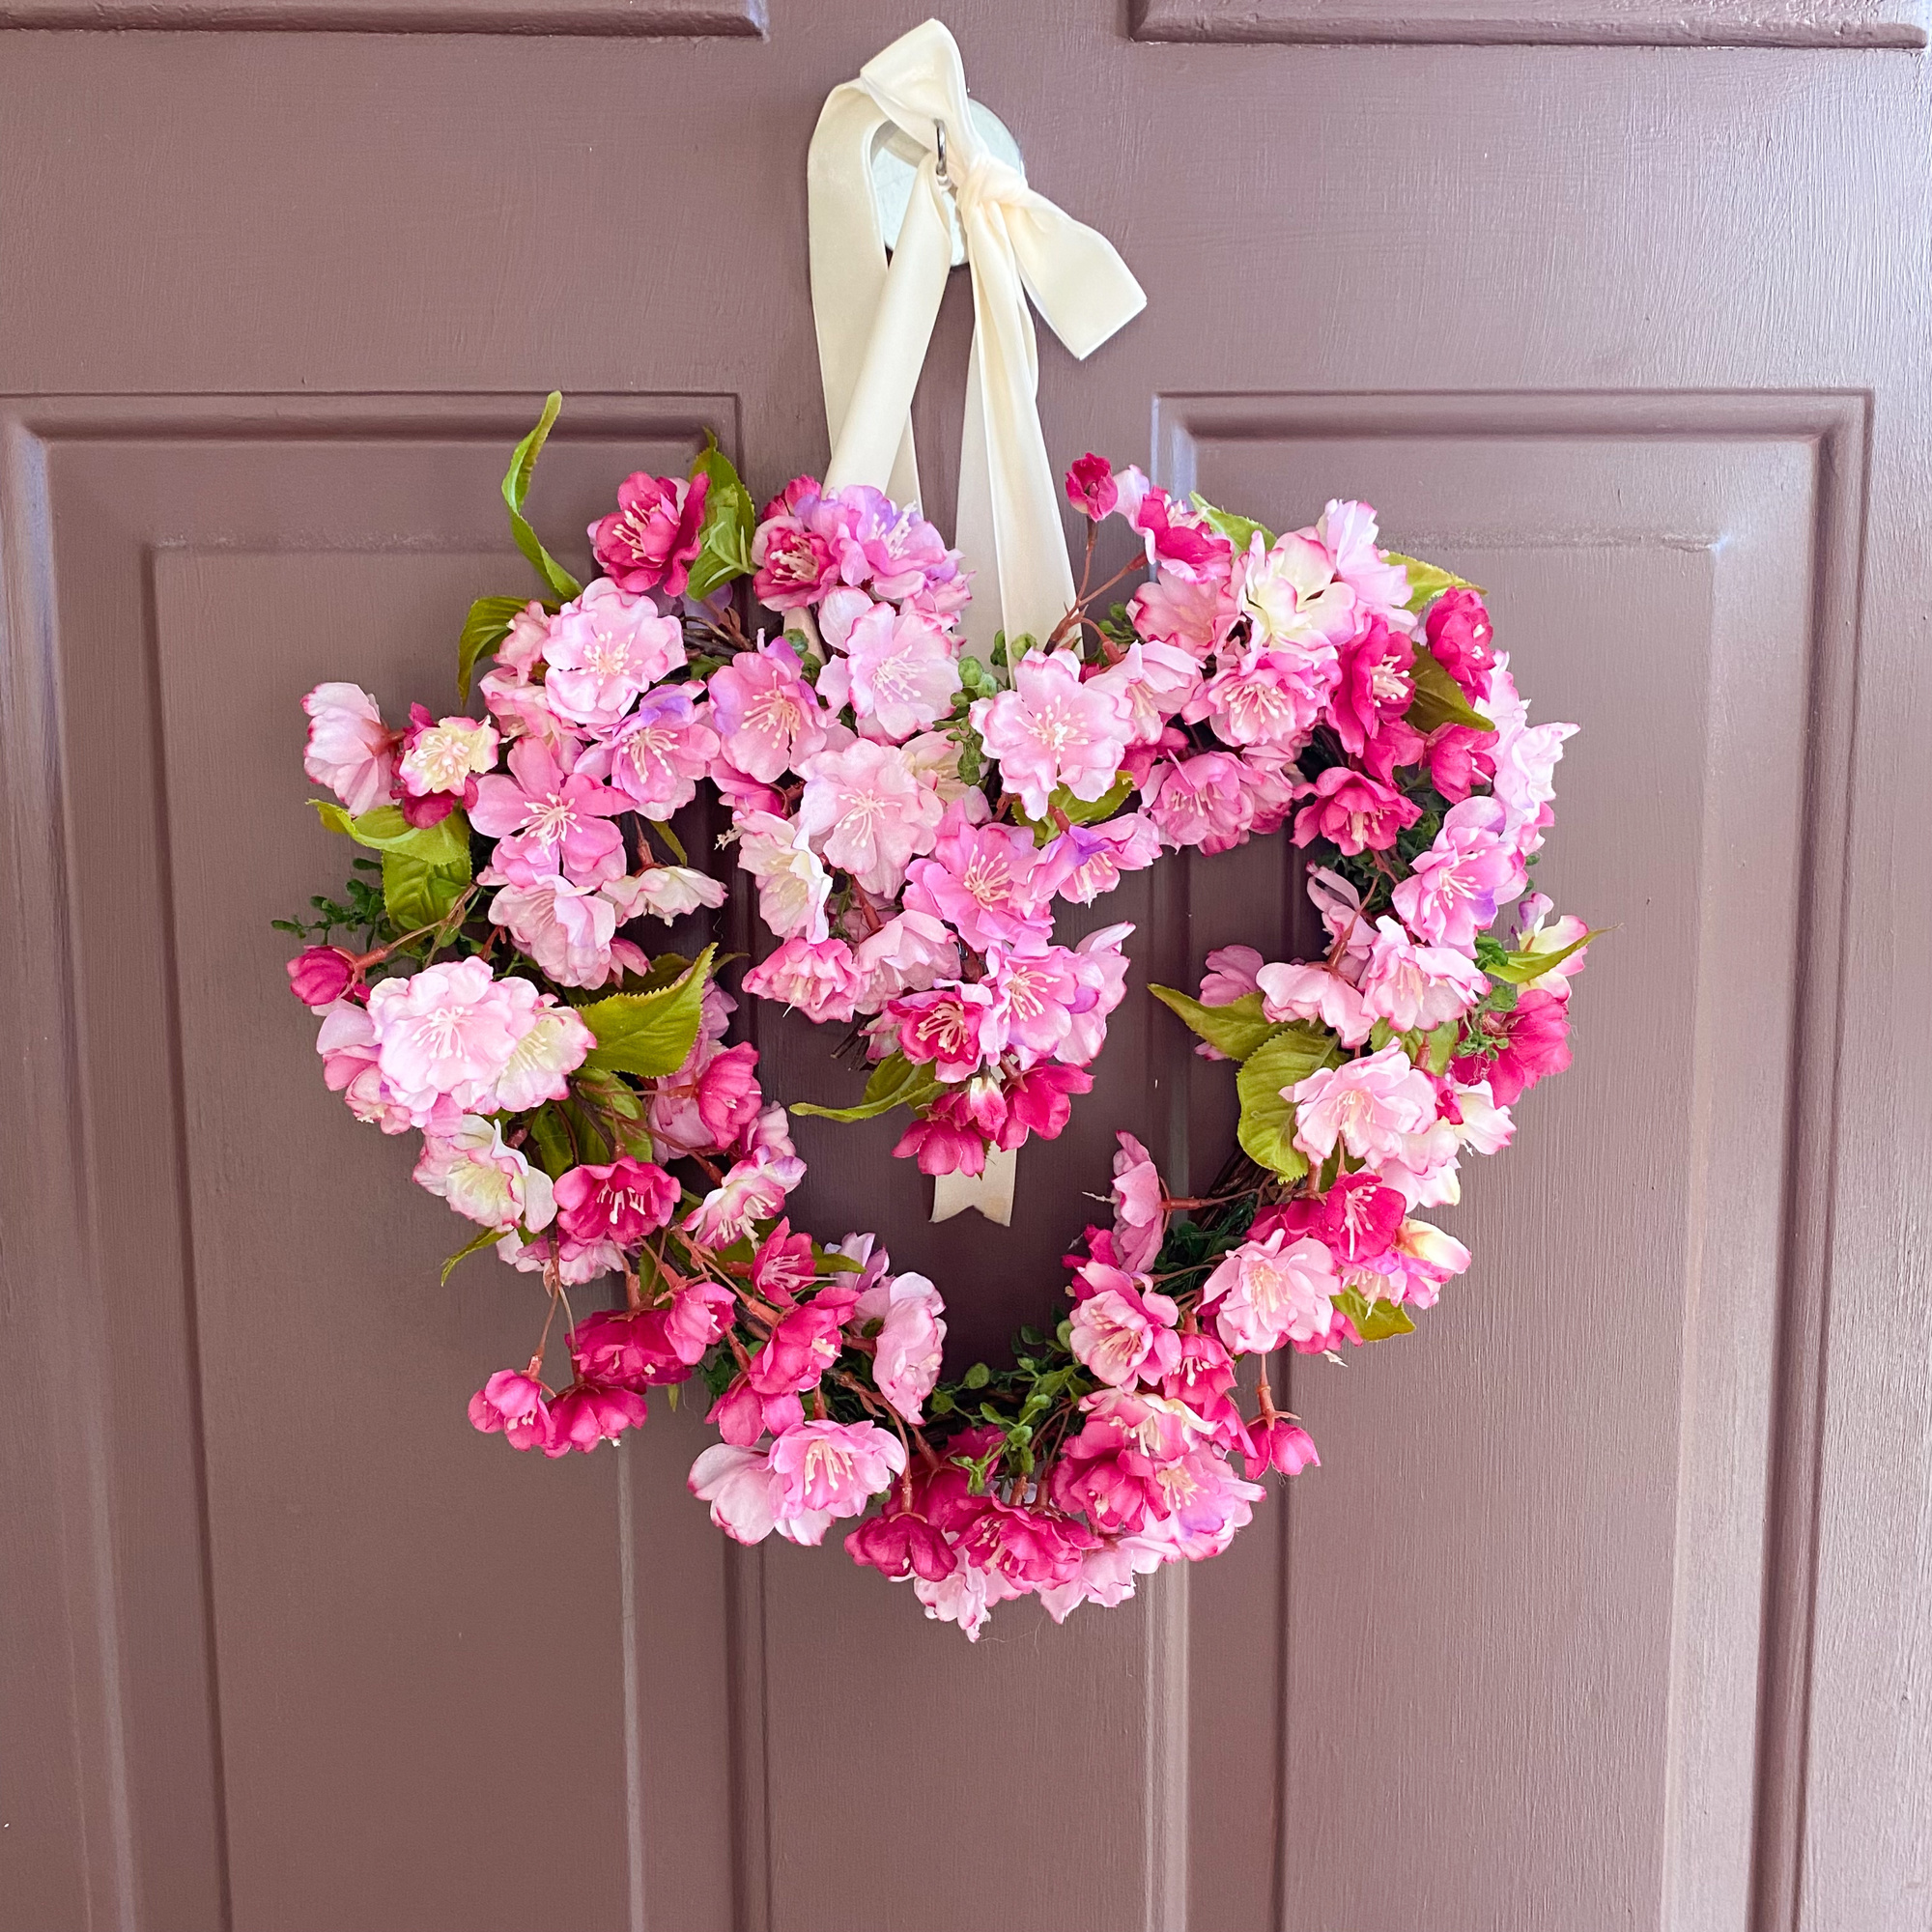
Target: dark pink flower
[(794, 565), (1027, 1546), (1458, 758), (621, 1203), (514, 1405), (902, 1545), (1040, 1101), (1090, 487), (1283, 1445), (321, 976), (695, 1316), (1533, 1039), (1461, 638), (586, 1414), (650, 540), (627, 1349), (1354, 813), (803, 1345), (782, 1265), (1373, 685), (728, 1096), (1358, 1218), (942, 1148), (741, 1415)]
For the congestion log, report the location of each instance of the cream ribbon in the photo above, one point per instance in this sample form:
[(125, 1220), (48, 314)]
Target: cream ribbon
[(875, 321)]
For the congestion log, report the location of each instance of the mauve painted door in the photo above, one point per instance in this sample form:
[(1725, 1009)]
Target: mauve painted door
[(1610, 1604)]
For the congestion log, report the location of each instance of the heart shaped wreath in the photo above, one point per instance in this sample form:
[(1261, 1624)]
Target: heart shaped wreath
[(910, 815)]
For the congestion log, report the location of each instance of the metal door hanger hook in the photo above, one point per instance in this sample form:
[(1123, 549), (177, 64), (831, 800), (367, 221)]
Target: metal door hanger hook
[(939, 135), (896, 161)]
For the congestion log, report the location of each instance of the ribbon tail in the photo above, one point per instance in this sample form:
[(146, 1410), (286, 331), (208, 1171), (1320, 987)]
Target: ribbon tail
[(989, 1192)]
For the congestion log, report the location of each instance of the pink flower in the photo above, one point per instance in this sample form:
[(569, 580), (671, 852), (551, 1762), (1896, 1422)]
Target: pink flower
[(443, 757), (663, 891), (1532, 1042), (1230, 974), (1372, 689), (1454, 888), (1123, 1331), (752, 1190), (1034, 997), (833, 1469), (656, 756), (605, 650), (1525, 760), (1090, 487), (1270, 698), (910, 1339), (942, 1145), (567, 929), (1201, 801), (1307, 990), (1348, 531), (1283, 1445), (1051, 729), (1461, 638), (902, 1545), (737, 1483), (547, 820), (586, 1414), (818, 975), (1290, 597), (1180, 541), (794, 566), (804, 1343), (1040, 1101), (793, 885), (1536, 932), (907, 955), (482, 1178), (448, 1030), (895, 552), (1195, 615), (1357, 1217), (1370, 1104), (1101, 969), (515, 1406), (1271, 1292), (1027, 1548), (552, 1045), (1458, 758), (903, 669), (982, 879), (320, 975), (651, 539), (350, 750), (1417, 987), (867, 814), (1140, 1211), (349, 1067), (1154, 680), (1086, 860), (709, 1102), (1340, 905), (1354, 813), (622, 1202), (769, 721)]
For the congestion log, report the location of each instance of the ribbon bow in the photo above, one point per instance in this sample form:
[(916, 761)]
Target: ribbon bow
[(874, 320)]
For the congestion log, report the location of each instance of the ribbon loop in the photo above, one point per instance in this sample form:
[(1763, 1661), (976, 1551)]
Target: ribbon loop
[(875, 320)]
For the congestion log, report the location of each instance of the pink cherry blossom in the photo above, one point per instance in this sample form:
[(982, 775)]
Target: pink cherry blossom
[(833, 1468), (1090, 487), (1140, 1214), (1230, 974), (1415, 987), (1348, 531), (651, 541), (752, 1190), (1040, 1101), (351, 1066), (1085, 862), (1308, 990), (910, 1339), (941, 1145), (1460, 638), (1529, 1042), (1179, 540), (553, 1044), (1539, 935), (350, 750), (867, 814), (1353, 811), (947, 1025), (663, 891), (1525, 760), (1201, 801), (1101, 969), (1291, 597), (1051, 729), (1123, 1331), (709, 1102), (738, 1485), (818, 975), (1271, 1292), (547, 818), (982, 880), (906, 955), (1369, 1104), (1269, 698), (1283, 1445), (1373, 690), (794, 884), (446, 755), (320, 975), (793, 565), (657, 755), (1454, 888), (901, 1543), (804, 1343), (1154, 680), (515, 1406), (569, 931), (1340, 905), (903, 671), (481, 1177), (1034, 997), (768, 719), (605, 650), (622, 1201), (448, 1030), (893, 551)]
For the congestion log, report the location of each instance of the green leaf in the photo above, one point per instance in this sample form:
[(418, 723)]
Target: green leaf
[(1427, 580), (724, 537), (1438, 699), (1237, 530), (896, 1082), (417, 894), (488, 1238), (486, 627), (385, 828), (1518, 969), (516, 486), (1374, 1320), (648, 1034), (977, 1376), (1080, 810), (1235, 1029), (550, 1140), (1266, 1130), (1443, 1044)]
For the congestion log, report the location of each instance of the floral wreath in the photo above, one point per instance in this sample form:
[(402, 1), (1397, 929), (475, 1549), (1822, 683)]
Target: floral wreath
[(910, 813)]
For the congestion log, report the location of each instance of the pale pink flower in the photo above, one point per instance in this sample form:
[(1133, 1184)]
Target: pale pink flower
[(1200, 1505), (818, 975), (831, 1470), (1539, 935), (482, 1178), (1290, 595), (1193, 614), (569, 931), (1084, 861), (1122, 1330), (752, 1190), (656, 756), (910, 1339), (1340, 905), (349, 750), (907, 955), (1525, 758), (965, 1598), (554, 1045), (1481, 1125), (1370, 1104), (547, 818), (903, 672), (865, 813), (1454, 888), (1106, 1577), (448, 1030), (1201, 801), (1271, 1292), (663, 891), (351, 1066), (933, 759), (1348, 531), (794, 884), (1417, 986), (738, 1485), (1051, 729), (1034, 997), (1230, 974), (767, 718), (1140, 1215), (1269, 698), (1154, 680), (1307, 990), (1101, 969), (446, 755), (605, 649), (982, 879)]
